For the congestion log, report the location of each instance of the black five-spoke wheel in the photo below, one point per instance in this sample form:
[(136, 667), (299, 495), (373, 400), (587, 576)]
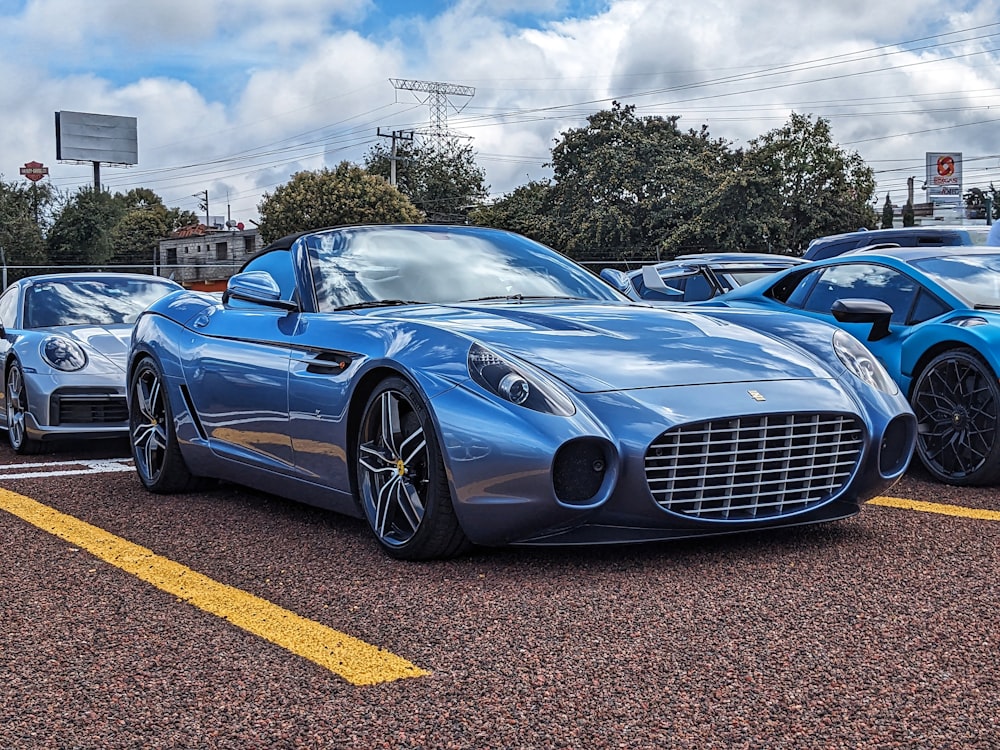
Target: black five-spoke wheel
[(158, 459), (956, 399), (401, 480)]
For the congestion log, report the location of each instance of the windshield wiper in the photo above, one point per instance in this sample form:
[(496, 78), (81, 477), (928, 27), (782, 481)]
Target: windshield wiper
[(521, 297), (378, 303)]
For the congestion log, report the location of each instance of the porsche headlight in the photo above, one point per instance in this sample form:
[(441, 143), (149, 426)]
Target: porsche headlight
[(500, 377), (63, 354), (862, 362)]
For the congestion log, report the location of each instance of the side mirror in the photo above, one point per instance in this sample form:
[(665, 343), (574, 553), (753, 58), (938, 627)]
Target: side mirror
[(861, 310), (258, 287)]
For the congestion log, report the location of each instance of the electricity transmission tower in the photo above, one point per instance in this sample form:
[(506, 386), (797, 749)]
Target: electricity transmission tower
[(437, 98)]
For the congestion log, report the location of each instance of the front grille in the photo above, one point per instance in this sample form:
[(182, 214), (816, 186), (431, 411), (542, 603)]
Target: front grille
[(89, 410), (755, 467)]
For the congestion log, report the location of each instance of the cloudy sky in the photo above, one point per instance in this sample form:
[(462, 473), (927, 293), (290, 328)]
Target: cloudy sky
[(235, 96)]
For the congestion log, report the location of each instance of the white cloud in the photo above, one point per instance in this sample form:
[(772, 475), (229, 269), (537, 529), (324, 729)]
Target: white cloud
[(236, 96)]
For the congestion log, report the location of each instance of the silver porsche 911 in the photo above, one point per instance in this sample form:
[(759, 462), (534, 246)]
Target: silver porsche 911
[(63, 340)]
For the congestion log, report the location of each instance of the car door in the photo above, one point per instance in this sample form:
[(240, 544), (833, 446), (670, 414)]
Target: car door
[(238, 380)]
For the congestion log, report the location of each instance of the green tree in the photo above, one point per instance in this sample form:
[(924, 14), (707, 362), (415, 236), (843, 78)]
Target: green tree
[(887, 213), (741, 213), (81, 232), (22, 208), (526, 210), (135, 237), (624, 184), (824, 190), (908, 216), (439, 177), (345, 195)]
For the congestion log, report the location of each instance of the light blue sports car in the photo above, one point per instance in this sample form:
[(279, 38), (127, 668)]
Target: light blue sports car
[(936, 330), (459, 386)]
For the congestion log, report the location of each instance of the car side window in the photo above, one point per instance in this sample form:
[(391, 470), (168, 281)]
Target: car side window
[(697, 289), (794, 288), (927, 306), (864, 280), (8, 308)]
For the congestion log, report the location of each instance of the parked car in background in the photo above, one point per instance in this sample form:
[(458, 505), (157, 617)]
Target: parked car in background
[(938, 335), (691, 278), (457, 385), (923, 236), (63, 340)]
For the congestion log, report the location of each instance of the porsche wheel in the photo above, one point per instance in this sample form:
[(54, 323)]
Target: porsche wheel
[(401, 480), (957, 402), (158, 459), (17, 413)]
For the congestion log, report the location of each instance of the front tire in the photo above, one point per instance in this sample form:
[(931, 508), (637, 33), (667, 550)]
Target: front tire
[(158, 459), (17, 414), (957, 402), (401, 481)]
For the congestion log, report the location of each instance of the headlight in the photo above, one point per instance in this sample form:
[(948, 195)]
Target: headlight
[(862, 362), (63, 354), (500, 377)]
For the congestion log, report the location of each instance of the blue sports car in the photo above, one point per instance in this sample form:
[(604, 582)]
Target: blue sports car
[(459, 386), (938, 335)]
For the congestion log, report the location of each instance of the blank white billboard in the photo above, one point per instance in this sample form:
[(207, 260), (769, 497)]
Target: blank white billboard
[(108, 139)]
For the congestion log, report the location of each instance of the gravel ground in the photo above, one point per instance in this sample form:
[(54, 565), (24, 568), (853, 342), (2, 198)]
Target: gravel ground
[(876, 632)]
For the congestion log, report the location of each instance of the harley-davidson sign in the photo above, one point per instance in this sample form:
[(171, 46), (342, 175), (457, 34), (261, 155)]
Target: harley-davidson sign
[(34, 170)]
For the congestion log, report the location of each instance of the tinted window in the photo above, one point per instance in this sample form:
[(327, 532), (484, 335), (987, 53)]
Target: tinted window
[(927, 306), (864, 280), (975, 278)]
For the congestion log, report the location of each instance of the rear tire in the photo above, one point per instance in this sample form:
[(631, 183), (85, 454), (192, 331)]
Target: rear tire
[(957, 402), (158, 459)]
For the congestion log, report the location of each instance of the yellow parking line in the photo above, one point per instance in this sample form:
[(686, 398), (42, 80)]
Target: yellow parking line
[(946, 510), (357, 662)]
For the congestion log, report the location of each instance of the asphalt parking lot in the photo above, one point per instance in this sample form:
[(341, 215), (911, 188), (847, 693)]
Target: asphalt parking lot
[(231, 619)]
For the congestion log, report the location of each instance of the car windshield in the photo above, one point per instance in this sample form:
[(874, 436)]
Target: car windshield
[(416, 263), (90, 300), (975, 278)]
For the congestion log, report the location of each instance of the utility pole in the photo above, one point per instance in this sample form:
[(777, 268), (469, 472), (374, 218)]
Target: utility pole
[(396, 135), (203, 203)]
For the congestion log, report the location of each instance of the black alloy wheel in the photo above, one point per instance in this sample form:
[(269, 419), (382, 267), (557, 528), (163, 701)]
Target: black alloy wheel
[(957, 402)]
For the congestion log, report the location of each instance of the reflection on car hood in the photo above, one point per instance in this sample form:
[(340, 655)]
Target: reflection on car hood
[(111, 341), (598, 347)]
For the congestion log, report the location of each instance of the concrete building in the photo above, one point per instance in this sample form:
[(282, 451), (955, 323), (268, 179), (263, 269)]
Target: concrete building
[(200, 257)]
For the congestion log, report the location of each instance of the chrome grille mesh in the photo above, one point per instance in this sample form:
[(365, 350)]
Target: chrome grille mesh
[(753, 467)]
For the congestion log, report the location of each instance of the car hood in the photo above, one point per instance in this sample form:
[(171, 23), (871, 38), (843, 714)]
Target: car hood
[(599, 347), (108, 342)]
